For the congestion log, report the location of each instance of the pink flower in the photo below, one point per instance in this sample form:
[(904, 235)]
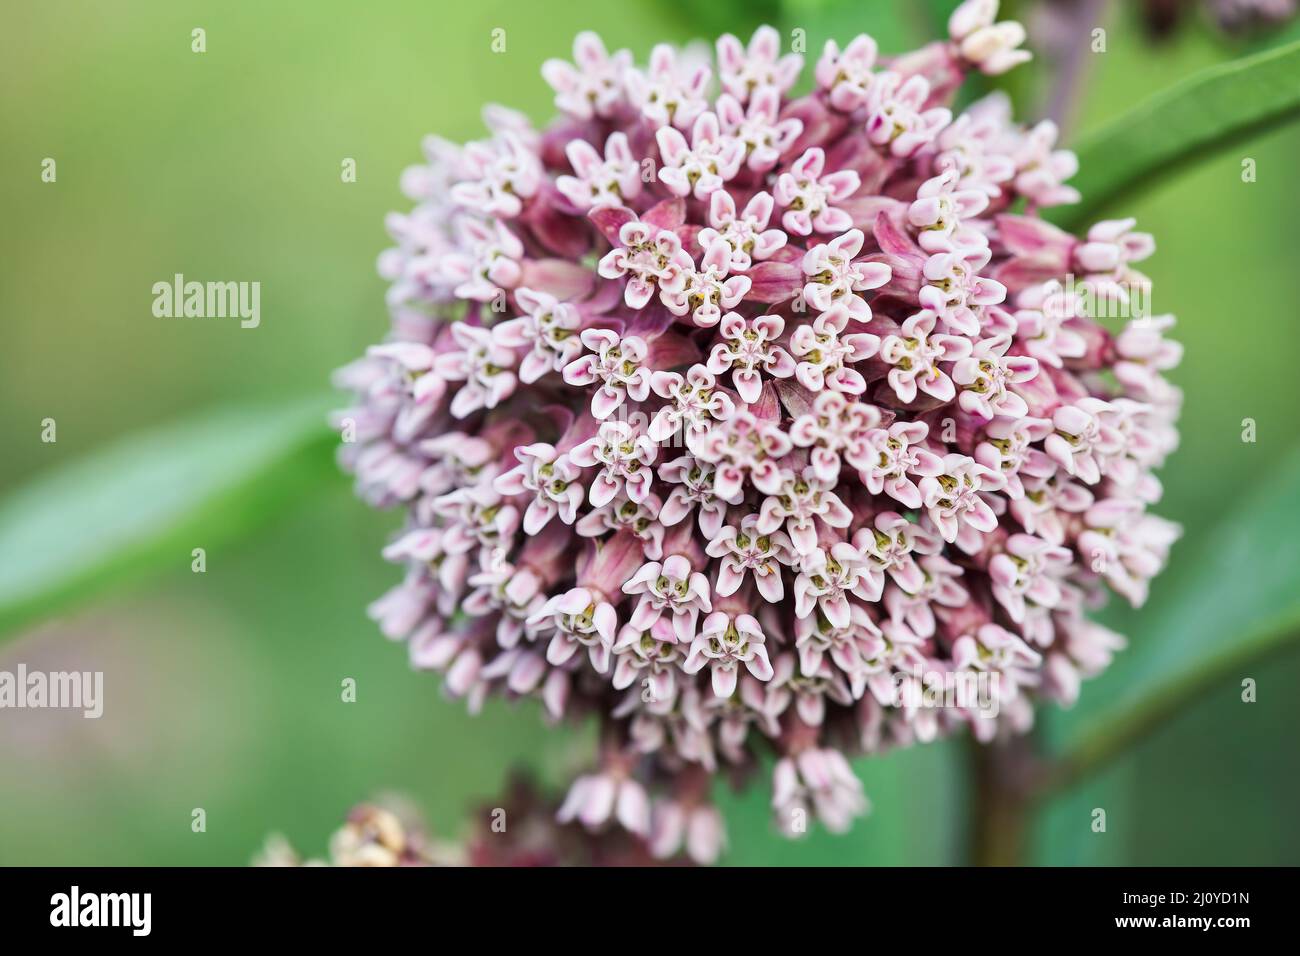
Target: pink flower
[(748, 348), (702, 166), (1083, 438), (828, 576), (513, 594), (484, 366), (989, 46), (502, 174), (939, 209), (708, 291), (455, 459), (847, 76), (994, 649), (970, 147), (652, 655), (691, 483), (487, 262), (744, 447), (1047, 320), (616, 364), (1113, 244), (896, 115), (832, 427), (1009, 449), (1027, 571), (916, 353), (1144, 353), (1041, 171), (953, 285), (801, 505), (808, 192), (638, 518), (812, 693), (553, 480), (579, 618), (652, 259), (522, 669), (986, 378), (625, 458), (855, 650), (1047, 503), (744, 70), (697, 827), (760, 130), (824, 354), (953, 500), (891, 541), (595, 799), (725, 643), (745, 234), (549, 331), (670, 92), (824, 778), (749, 549), (835, 279), (890, 460), (940, 589), (595, 86), (694, 403), (475, 516), (674, 587), (598, 182), (1125, 545)]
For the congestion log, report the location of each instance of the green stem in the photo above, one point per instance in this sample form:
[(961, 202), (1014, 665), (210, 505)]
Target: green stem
[(1123, 730)]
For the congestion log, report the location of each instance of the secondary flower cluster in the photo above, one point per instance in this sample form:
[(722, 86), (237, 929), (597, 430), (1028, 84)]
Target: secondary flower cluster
[(748, 422), (521, 832)]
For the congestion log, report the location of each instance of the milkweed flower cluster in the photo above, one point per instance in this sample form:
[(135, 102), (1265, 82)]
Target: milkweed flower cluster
[(737, 419)]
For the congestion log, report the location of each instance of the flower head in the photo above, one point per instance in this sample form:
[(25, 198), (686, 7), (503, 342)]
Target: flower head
[(736, 419)]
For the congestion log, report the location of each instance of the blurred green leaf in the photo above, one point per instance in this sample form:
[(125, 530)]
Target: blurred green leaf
[(915, 817), (895, 26), (148, 500), (1062, 834), (709, 20), (1213, 612), (1194, 119)]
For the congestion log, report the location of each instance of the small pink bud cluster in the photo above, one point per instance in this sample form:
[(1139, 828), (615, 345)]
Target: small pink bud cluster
[(738, 420), (519, 828)]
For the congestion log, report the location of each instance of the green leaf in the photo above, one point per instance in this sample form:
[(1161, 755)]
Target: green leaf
[(148, 500), (1234, 601), (1188, 122)]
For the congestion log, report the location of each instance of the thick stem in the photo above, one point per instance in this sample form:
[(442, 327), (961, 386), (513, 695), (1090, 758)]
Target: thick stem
[(1003, 775), (1075, 58)]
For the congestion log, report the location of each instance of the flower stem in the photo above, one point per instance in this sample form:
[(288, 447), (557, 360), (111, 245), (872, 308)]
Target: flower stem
[(1004, 774)]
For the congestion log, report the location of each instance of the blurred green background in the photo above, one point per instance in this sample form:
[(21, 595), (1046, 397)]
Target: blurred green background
[(223, 688)]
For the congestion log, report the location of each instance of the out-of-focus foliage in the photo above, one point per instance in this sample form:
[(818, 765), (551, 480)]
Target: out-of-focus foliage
[(1214, 110)]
